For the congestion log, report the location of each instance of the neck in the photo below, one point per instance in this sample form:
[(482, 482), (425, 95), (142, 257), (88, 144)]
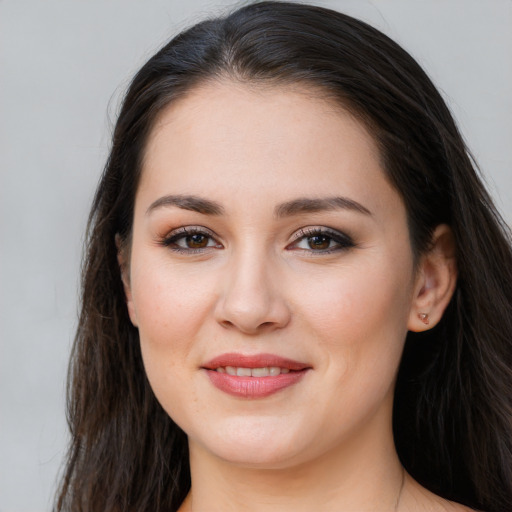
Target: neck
[(363, 474)]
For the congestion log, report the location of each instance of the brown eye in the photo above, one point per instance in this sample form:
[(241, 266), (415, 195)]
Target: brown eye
[(319, 242), (197, 241), (191, 239)]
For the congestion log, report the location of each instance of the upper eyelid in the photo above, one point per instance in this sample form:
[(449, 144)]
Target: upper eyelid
[(186, 230), (312, 230)]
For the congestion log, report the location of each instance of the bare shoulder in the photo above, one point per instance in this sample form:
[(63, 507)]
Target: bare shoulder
[(457, 507), (416, 497)]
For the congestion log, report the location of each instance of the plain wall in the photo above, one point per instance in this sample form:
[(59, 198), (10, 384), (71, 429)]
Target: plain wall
[(63, 67)]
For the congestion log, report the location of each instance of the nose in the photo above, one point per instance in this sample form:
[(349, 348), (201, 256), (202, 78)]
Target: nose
[(252, 299)]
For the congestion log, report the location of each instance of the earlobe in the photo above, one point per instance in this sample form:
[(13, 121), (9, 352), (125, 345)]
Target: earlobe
[(125, 278), (436, 281)]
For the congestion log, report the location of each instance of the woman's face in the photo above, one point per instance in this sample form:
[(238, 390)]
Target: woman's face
[(268, 243)]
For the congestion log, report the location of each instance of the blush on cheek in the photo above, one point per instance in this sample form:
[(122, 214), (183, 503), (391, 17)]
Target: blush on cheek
[(162, 367)]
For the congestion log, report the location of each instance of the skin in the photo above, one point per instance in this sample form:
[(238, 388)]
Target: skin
[(255, 282)]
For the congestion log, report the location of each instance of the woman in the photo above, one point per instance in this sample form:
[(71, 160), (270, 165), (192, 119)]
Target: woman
[(297, 294)]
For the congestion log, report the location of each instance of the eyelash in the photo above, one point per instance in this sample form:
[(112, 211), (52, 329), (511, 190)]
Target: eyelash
[(342, 241), (172, 239)]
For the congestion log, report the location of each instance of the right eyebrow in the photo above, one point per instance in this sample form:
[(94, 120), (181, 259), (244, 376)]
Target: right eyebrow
[(187, 202), (312, 205)]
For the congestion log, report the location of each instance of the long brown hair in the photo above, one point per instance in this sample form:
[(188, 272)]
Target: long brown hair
[(453, 399)]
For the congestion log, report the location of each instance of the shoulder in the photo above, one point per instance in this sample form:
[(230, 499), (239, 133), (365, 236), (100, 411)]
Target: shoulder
[(417, 497), (457, 507)]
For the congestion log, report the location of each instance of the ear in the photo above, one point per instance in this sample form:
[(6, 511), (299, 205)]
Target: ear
[(435, 282), (124, 268)]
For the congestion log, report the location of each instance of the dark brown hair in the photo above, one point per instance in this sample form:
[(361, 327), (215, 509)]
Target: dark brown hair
[(453, 399)]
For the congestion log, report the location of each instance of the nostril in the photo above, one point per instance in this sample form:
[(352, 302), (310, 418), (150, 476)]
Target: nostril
[(249, 329)]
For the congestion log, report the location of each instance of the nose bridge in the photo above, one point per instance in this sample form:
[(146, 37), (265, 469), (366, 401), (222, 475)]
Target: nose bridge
[(252, 299)]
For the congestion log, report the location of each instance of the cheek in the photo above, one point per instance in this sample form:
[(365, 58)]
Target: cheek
[(169, 302), (368, 301), (172, 306), (360, 321), (359, 317)]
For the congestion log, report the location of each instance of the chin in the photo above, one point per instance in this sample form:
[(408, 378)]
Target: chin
[(261, 442)]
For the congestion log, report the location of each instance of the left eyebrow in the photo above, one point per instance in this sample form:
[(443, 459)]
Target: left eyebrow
[(188, 202), (312, 205)]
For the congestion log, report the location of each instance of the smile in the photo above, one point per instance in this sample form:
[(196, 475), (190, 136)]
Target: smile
[(255, 376), (267, 371)]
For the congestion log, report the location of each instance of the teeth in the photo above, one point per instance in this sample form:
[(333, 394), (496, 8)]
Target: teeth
[(267, 371), (260, 372)]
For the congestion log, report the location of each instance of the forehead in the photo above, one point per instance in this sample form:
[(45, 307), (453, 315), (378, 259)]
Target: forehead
[(260, 139), (219, 103)]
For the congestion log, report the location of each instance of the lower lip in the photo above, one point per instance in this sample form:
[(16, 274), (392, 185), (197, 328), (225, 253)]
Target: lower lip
[(254, 387)]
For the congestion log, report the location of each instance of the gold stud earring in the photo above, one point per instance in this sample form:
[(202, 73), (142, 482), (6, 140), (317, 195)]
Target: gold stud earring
[(424, 318)]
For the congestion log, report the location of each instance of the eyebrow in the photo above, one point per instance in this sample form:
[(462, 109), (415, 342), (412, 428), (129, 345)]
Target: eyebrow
[(312, 205), (192, 203), (288, 209)]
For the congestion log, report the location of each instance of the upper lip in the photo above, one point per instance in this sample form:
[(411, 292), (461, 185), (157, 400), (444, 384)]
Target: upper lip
[(254, 361)]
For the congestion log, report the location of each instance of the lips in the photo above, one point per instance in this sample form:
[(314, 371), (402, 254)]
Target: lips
[(256, 376)]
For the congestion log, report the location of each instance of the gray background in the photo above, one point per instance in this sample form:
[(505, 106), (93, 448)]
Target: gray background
[(63, 68)]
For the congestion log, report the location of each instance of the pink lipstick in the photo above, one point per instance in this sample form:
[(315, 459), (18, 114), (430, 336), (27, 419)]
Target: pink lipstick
[(256, 376)]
